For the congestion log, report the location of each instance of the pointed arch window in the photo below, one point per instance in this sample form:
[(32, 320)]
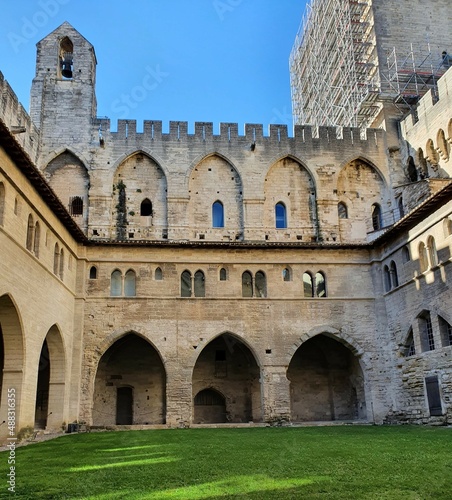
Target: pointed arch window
[(200, 284), (185, 284), (130, 283), (61, 272), (76, 206), (116, 283), (406, 254), (247, 284), (387, 278), (410, 349), (447, 227), (423, 259), (37, 238), (394, 275), (432, 254), (158, 274), (217, 214), (426, 332), (445, 329), (56, 259), (280, 216), (146, 208), (30, 231), (308, 286), (320, 285), (342, 211), (400, 207), (93, 273), (376, 217), (66, 58), (260, 284), (286, 274)]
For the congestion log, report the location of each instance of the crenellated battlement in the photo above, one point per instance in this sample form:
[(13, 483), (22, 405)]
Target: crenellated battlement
[(430, 105), (229, 132), (13, 114)]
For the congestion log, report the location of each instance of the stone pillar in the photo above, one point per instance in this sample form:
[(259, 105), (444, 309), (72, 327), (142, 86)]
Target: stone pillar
[(55, 410), (275, 394), (178, 395)]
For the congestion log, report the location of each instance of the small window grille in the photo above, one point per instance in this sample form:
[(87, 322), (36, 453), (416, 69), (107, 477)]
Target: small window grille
[(76, 206)]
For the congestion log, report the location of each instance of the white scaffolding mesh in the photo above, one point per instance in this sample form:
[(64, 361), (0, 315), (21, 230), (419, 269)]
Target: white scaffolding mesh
[(334, 65)]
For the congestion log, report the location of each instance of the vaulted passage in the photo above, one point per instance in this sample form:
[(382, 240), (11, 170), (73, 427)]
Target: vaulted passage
[(11, 357), (130, 384), (226, 384), (326, 382)]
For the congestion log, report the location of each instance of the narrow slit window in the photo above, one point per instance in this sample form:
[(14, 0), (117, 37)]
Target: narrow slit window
[(217, 214), (200, 284), (320, 285), (185, 284), (158, 274), (342, 211), (116, 284), (376, 217), (308, 290), (280, 216), (130, 284), (260, 283), (247, 284)]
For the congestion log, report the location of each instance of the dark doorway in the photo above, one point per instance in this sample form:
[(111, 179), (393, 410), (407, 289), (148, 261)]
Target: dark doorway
[(42, 392), (210, 407), (124, 406)]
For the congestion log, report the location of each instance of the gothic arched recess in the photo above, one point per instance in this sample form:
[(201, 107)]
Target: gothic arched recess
[(50, 391), (326, 382), (360, 187), (140, 199), (12, 359), (69, 178), (226, 385), (130, 384), (215, 181), (290, 185)]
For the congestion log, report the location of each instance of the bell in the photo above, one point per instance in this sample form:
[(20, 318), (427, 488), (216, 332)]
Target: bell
[(66, 69)]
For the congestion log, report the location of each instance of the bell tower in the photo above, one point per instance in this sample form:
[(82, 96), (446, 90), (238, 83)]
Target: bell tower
[(63, 99)]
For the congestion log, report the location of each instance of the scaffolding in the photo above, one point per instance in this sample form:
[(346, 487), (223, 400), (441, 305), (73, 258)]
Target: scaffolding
[(334, 65), (411, 75)]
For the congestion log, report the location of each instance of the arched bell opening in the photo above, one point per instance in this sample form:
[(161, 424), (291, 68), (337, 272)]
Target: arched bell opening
[(130, 384), (326, 382), (226, 370)]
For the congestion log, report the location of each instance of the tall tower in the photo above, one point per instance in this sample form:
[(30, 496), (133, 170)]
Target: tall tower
[(63, 100), (366, 63)]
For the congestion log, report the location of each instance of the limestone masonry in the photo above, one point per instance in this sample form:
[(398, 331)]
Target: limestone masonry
[(152, 278)]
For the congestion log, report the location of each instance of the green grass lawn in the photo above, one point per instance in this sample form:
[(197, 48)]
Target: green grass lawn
[(345, 462)]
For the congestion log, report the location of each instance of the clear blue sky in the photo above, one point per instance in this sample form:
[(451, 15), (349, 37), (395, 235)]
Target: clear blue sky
[(210, 60)]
